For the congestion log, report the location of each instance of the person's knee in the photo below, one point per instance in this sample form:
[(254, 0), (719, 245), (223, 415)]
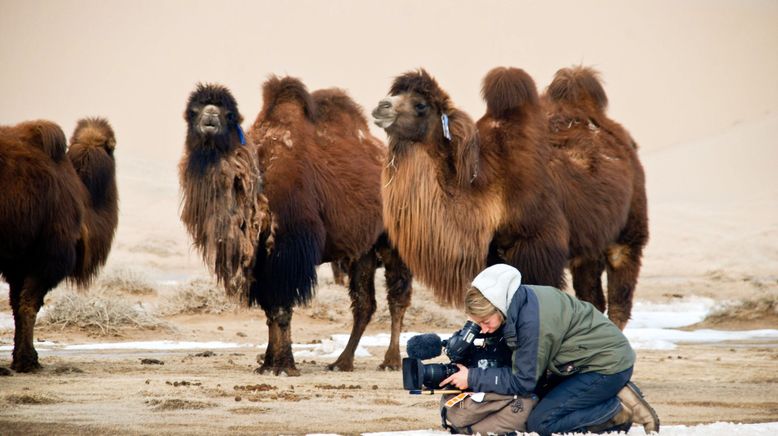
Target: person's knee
[(539, 424)]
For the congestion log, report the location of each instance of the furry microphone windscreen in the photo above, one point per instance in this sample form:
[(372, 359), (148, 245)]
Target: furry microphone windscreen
[(425, 346)]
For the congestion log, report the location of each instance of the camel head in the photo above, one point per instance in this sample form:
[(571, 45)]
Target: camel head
[(414, 108), (419, 112), (213, 119)]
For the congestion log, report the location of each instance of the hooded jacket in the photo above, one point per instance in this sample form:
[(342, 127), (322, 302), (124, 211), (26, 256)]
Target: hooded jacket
[(547, 329)]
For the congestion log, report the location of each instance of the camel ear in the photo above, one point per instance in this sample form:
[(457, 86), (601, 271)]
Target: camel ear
[(464, 145)]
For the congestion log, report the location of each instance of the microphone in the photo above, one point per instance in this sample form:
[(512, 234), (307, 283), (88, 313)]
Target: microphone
[(425, 346)]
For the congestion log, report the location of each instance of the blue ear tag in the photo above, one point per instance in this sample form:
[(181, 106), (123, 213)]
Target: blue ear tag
[(444, 122), (241, 136)]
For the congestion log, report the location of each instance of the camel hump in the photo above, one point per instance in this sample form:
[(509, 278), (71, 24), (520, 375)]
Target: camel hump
[(45, 135), (578, 86), (331, 102), (94, 132), (507, 91), (278, 90)]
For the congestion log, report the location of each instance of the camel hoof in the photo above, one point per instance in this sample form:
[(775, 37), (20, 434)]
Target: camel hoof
[(389, 367), (278, 371), (345, 367), (5, 372), (26, 366)]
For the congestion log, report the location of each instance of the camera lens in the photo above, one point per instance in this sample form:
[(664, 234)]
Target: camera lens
[(413, 373), (434, 373)]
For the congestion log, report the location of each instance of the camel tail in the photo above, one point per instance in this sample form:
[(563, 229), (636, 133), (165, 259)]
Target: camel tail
[(508, 91), (579, 86)]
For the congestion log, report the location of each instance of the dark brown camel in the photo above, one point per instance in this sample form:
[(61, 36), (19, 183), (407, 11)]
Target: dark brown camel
[(223, 206), (459, 196), (320, 172), (58, 215)]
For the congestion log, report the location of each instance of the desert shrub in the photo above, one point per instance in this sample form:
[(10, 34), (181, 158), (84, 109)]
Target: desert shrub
[(197, 296), (97, 312), (761, 307), (126, 281)]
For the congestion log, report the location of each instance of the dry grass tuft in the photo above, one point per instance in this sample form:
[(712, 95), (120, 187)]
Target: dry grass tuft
[(757, 308), (197, 296), (30, 399), (99, 313), (125, 281), (178, 404)]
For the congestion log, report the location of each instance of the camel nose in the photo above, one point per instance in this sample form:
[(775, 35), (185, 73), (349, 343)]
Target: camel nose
[(211, 110), (385, 104)]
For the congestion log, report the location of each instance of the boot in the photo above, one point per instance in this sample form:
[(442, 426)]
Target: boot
[(642, 413), (621, 421)]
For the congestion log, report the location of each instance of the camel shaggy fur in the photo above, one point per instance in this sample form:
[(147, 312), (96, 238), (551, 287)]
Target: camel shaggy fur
[(536, 183), (318, 200), (222, 206), (58, 215)]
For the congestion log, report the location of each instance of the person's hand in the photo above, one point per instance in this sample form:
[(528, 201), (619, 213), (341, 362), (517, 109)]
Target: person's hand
[(458, 379)]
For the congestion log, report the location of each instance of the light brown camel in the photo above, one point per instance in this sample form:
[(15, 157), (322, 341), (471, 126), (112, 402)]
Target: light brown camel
[(459, 196)]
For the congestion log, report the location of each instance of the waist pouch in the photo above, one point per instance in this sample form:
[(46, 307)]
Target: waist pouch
[(497, 413)]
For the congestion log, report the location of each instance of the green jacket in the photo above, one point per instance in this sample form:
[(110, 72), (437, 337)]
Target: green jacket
[(548, 329)]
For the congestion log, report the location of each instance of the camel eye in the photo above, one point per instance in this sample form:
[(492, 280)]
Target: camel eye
[(230, 117), (421, 108)]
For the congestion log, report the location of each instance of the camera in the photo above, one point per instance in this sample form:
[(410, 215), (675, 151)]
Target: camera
[(466, 346)]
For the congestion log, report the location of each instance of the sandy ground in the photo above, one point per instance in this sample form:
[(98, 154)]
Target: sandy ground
[(200, 392)]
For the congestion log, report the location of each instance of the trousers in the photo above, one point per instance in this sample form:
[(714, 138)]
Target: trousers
[(494, 414), (579, 401)]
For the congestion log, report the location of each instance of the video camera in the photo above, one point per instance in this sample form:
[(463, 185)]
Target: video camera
[(461, 347)]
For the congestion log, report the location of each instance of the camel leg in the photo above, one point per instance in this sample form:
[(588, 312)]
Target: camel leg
[(26, 301), (340, 270), (587, 281), (278, 356), (362, 292), (398, 286), (541, 259), (624, 258), (623, 270)]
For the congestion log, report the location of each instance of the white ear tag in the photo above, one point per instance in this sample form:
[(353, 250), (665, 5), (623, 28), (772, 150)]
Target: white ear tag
[(444, 122)]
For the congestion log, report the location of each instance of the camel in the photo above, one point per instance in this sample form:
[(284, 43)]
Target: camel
[(222, 203), (536, 183), (58, 216), (318, 170)]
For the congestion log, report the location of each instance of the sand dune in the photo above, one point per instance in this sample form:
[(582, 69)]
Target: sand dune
[(713, 204)]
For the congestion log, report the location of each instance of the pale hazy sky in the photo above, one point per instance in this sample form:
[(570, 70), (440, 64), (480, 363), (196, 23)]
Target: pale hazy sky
[(674, 71)]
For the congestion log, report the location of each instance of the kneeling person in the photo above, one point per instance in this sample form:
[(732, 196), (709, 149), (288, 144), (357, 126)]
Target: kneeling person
[(552, 333)]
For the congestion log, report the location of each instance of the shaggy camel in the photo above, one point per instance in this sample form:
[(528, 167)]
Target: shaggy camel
[(319, 202), (58, 215), (535, 184), (222, 206)]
